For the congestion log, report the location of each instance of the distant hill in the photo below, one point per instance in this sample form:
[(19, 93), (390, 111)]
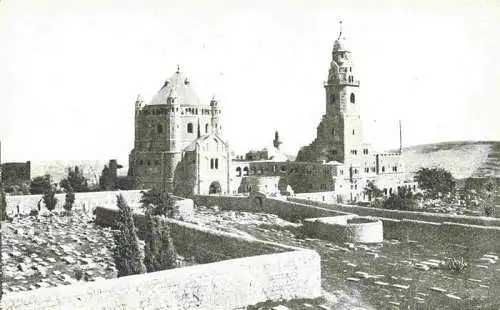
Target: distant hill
[(58, 169), (462, 158)]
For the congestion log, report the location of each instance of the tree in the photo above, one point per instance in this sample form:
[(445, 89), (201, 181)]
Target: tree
[(105, 179), (126, 253), (395, 202), (435, 180), (159, 250), (69, 199), (157, 203), (76, 180), (49, 198), (41, 184), (3, 206), (372, 191)]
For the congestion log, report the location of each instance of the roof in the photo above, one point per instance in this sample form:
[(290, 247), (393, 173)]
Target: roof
[(192, 146), (179, 86)]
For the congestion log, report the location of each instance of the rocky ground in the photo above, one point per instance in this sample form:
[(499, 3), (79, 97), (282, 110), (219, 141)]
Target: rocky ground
[(58, 250), (54, 250), (399, 274)]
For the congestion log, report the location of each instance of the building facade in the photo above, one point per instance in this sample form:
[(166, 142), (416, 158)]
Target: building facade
[(175, 135)]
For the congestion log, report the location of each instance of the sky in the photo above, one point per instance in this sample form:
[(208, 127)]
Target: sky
[(71, 70)]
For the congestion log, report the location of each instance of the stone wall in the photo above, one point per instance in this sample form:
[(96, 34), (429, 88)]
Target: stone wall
[(201, 244), (348, 228), (90, 199), (227, 284), (402, 215), (287, 210)]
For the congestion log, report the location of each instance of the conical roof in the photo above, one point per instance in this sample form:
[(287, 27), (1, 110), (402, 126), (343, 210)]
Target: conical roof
[(179, 85)]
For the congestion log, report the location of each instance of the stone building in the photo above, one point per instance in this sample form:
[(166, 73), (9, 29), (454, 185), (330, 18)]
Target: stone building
[(338, 162), (178, 144), (16, 173)]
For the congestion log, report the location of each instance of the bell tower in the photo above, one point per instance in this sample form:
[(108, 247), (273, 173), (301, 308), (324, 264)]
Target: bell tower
[(342, 118)]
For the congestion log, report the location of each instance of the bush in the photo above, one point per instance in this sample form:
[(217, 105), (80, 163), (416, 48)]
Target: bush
[(435, 181), (69, 199), (455, 264), (372, 191), (49, 198), (159, 250), (126, 253), (75, 180), (3, 206), (40, 185), (395, 202), (157, 203)]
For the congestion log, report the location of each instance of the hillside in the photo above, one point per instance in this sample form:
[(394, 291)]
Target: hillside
[(462, 158), (58, 169)]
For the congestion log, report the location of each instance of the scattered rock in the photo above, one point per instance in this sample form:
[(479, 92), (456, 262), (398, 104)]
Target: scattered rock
[(404, 287), (438, 289), (453, 296)]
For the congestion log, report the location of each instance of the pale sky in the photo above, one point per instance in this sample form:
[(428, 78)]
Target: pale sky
[(71, 70)]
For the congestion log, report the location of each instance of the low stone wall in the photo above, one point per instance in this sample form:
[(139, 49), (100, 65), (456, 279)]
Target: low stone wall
[(341, 229), (91, 199), (400, 215), (473, 238), (202, 244), (287, 210), (227, 284)]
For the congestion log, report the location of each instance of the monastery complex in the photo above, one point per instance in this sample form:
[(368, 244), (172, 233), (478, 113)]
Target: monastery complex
[(179, 147)]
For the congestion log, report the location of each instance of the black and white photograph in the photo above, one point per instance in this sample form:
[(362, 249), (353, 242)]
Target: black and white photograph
[(249, 155)]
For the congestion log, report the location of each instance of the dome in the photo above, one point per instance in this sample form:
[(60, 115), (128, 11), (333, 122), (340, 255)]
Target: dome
[(177, 86), (340, 45)]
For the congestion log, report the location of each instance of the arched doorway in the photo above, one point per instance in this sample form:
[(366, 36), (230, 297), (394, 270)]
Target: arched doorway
[(214, 188)]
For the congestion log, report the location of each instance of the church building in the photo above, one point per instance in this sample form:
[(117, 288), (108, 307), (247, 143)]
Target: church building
[(178, 145)]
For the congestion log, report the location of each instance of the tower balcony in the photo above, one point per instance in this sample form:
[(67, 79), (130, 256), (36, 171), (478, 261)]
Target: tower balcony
[(341, 82)]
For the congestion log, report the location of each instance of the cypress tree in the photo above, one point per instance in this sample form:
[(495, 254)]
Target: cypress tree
[(127, 254), (159, 249)]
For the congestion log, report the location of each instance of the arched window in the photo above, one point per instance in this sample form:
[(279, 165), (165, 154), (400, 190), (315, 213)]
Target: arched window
[(332, 98), (216, 163), (245, 171), (253, 170), (238, 171), (206, 128), (190, 127), (159, 128), (353, 98), (211, 163)]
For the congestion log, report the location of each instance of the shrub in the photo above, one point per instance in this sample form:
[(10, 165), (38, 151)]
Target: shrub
[(395, 202), (126, 253), (75, 180), (69, 199), (157, 203), (435, 181), (40, 185), (455, 264), (49, 198), (372, 191), (159, 250), (3, 206)]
